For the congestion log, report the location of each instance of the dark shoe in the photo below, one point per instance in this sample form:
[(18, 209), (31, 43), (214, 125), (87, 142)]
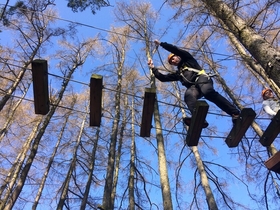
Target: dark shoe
[(234, 118), (187, 121)]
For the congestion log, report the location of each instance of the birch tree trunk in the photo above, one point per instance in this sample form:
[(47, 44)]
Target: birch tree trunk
[(164, 180), (67, 180), (204, 181), (119, 152), (108, 189), (132, 163), (254, 67), (163, 170), (266, 55), (141, 18), (14, 173), (256, 70), (91, 169), (12, 112), (48, 168)]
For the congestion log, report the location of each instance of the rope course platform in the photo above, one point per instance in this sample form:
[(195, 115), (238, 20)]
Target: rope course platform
[(272, 131), (40, 86), (240, 127), (96, 85), (247, 115), (269, 135), (198, 118), (148, 111), (273, 163)]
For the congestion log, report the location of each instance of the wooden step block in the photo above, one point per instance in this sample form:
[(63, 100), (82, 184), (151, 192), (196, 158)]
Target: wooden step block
[(148, 111), (198, 118), (96, 85), (40, 86), (239, 129), (273, 163), (272, 131)]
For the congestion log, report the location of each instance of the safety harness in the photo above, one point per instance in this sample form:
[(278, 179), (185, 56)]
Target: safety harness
[(199, 72)]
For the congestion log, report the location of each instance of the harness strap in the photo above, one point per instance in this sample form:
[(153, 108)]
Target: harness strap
[(199, 72)]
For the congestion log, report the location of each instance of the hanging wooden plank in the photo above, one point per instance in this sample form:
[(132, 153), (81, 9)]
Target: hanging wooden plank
[(40, 86), (96, 85), (273, 163), (148, 111), (239, 129), (197, 121), (272, 131)]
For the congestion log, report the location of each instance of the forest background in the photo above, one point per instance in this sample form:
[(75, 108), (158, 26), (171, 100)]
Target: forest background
[(58, 161)]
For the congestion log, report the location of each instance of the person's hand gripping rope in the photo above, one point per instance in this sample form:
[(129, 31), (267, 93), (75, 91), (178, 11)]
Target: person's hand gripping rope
[(150, 63)]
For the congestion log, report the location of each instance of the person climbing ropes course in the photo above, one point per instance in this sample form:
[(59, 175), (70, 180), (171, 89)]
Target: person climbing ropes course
[(194, 78), (271, 105)]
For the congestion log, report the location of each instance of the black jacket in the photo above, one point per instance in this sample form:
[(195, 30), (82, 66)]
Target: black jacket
[(187, 60)]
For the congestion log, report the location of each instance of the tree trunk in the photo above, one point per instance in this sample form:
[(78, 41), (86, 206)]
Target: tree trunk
[(67, 180), (108, 188), (48, 168), (90, 173), (132, 163), (162, 165), (256, 70), (119, 153), (11, 113), (204, 181), (14, 172), (254, 67), (201, 169), (265, 54), (78, 60)]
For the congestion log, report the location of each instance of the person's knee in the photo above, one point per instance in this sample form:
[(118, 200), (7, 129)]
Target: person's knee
[(189, 97), (191, 93), (210, 94)]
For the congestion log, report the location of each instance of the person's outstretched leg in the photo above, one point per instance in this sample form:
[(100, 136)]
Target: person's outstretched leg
[(206, 87)]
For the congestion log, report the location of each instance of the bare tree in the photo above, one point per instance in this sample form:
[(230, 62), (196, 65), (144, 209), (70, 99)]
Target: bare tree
[(141, 18), (65, 185), (266, 55), (78, 59), (51, 160), (120, 46), (30, 41), (43, 164), (132, 164)]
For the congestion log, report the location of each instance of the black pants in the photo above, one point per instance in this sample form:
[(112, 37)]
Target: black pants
[(204, 87)]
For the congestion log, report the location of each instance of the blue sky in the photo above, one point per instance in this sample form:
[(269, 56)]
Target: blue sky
[(103, 20)]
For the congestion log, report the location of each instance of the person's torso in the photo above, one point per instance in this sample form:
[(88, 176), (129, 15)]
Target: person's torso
[(274, 104), (187, 77)]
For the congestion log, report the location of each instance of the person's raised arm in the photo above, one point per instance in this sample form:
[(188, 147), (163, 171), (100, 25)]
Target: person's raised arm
[(160, 76), (174, 49)]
